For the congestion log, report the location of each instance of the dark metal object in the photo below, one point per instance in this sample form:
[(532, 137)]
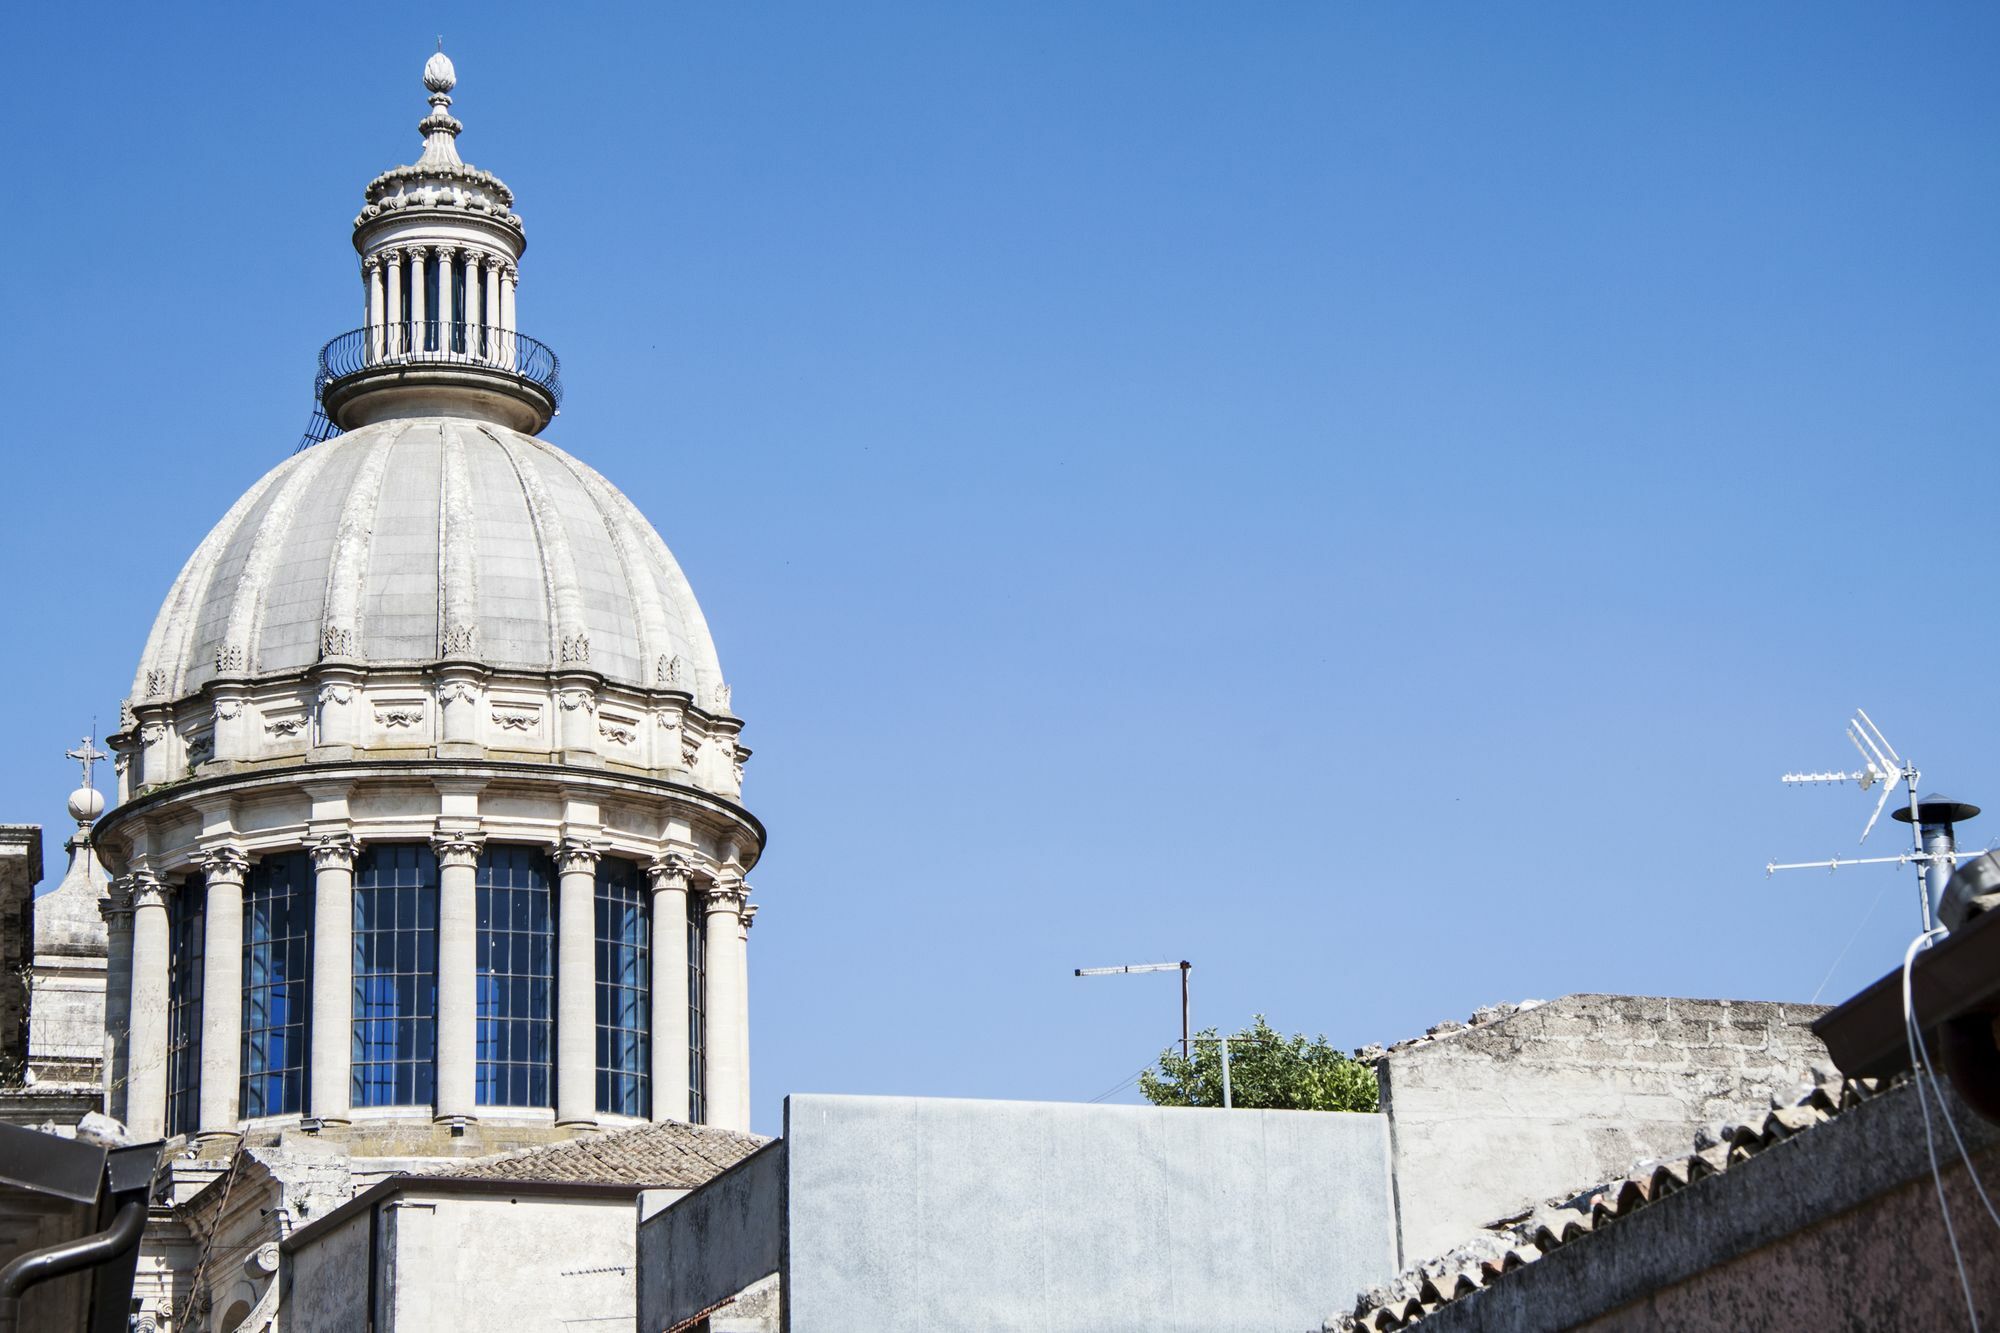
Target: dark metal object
[(70, 1256), (118, 1184), (44, 1164), (1936, 809), (1935, 817), (435, 344), (1955, 992), (427, 344)]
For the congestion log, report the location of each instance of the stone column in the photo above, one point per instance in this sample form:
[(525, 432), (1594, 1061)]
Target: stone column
[(116, 907), (458, 972), (669, 876), (332, 1052), (448, 312), (493, 307), (743, 1027), (146, 1047), (722, 942), (399, 338), (371, 274), (576, 982), (224, 868), (473, 313), (509, 344), (419, 263)]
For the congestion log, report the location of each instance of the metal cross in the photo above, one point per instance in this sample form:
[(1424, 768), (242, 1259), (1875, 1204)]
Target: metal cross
[(86, 754)]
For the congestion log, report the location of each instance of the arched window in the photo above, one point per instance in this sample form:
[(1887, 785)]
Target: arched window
[(277, 984), (697, 984), (624, 1048), (517, 948), (395, 975), (185, 928)]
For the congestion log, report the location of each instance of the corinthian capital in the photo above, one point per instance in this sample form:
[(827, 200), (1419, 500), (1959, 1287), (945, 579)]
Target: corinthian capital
[(143, 888), (225, 862), (578, 855), (726, 894), (335, 850), (458, 847), (670, 870)]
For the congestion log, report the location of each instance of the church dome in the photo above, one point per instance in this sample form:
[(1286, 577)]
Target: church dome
[(421, 540)]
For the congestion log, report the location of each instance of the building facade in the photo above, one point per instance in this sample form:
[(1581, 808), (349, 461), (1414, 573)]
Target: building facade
[(428, 800)]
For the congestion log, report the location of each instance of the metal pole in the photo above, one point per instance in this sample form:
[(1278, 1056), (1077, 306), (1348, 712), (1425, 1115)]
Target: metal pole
[(1227, 1103), (1917, 838), (1186, 967)]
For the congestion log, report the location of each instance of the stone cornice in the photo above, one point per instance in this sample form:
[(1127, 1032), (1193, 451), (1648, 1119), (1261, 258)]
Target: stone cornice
[(356, 772)]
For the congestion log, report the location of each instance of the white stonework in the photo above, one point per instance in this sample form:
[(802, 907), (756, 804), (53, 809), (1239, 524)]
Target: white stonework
[(66, 977), (438, 633)]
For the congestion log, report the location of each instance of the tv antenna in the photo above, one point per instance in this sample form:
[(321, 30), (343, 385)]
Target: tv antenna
[(1932, 850)]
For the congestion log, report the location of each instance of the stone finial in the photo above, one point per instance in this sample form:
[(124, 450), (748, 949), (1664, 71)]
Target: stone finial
[(439, 76), (439, 128)]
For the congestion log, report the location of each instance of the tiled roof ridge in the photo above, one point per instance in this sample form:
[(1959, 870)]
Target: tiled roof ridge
[(1480, 1017), (1515, 1242), (713, 1147)]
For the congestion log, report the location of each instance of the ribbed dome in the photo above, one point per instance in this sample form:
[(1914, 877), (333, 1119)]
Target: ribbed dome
[(420, 540)]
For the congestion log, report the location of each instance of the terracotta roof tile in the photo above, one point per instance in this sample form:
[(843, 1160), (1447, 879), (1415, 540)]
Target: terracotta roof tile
[(666, 1155), (1417, 1291)]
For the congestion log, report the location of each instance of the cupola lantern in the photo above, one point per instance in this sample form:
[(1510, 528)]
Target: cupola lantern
[(440, 248)]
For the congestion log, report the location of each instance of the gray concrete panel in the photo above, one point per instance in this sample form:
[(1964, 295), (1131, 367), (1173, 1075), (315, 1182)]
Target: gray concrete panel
[(912, 1213)]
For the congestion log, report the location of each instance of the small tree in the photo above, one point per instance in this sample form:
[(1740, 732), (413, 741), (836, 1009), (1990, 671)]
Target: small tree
[(1267, 1070)]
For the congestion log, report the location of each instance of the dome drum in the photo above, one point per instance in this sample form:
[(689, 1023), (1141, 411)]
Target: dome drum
[(337, 711)]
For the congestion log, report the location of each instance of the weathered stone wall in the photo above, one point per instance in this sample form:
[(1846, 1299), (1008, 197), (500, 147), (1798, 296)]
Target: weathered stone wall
[(1491, 1119), (20, 871)]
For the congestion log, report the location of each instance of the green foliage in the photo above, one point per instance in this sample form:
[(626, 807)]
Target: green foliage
[(1267, 1070)]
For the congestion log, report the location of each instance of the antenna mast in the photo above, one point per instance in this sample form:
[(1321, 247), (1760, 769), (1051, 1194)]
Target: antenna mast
[(1881, 764)]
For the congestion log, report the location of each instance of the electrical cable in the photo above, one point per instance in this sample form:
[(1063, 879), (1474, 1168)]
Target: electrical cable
[(1850, 940), (1921, 1067), (1920, 943)]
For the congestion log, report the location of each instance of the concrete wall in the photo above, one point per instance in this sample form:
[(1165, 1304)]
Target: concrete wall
[(532, 1265), (907, 1213), (326, 1282), (691, 1258), (1494, 1118), (453, 1260)]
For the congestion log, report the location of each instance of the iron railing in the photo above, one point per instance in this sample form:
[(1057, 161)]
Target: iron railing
[(434, 343), (427, 343)]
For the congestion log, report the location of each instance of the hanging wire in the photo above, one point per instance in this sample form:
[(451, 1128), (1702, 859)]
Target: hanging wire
[(1920, 1063)]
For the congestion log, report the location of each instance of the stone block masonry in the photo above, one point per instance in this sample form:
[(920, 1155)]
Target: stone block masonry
[(1493, 1118)]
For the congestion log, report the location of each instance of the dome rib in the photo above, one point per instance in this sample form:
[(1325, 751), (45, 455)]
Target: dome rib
[(458, 572), (180, 617), (654, 637), (340, 626), (569, 639), (238, 652)]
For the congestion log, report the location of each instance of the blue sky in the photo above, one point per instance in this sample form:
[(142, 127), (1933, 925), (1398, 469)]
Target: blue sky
[(1365, 498)]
